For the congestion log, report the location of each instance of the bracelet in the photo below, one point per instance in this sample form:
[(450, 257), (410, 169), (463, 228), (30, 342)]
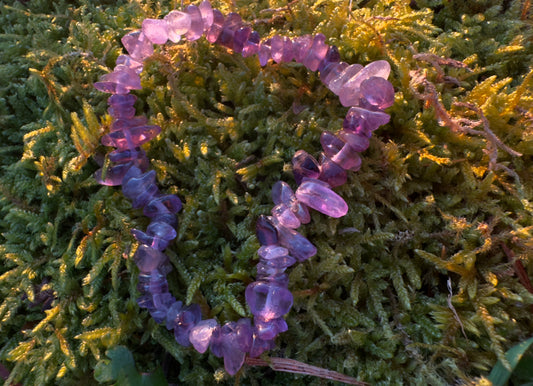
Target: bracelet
[(364, 89)]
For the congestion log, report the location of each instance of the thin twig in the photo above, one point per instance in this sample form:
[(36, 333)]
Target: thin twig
[(294, 366)]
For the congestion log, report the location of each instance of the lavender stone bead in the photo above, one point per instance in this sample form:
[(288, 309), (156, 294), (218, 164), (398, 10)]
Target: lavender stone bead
[(161, 205), (132, 64), (332, 71), (266, 231), (350, 92), (264, 52), (251, 46), (332, 56), (276, 256), (358, 142), (121, 81), (316, 53), (277, 48), (153, 282), (178, 24), (207, 14), (299, 247), (267, 300), (140, 190), (114, 175), (172, 313), (339, 152), (216, 27), (283, 194), (269, 329), (259, 346), (331, 173), (200, 335), (155, 30), (231, 24), (184, 321), (285, 216), (137, 45), (264, 269), (197, 25), (130, 138), (148, 259), (304, 165), (232, 341), (122, 124), (319, 196), (335, 83), (240, 38), (301, 47), (377, 93), (363, 121)]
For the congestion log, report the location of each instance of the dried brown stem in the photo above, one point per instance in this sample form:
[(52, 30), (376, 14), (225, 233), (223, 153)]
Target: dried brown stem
[(294, 366)]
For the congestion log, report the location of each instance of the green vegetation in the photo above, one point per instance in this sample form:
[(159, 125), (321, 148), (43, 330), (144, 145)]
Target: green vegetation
[(425, 281)]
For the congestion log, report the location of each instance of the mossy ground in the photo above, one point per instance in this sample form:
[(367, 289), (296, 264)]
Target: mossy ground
[(425, 281)]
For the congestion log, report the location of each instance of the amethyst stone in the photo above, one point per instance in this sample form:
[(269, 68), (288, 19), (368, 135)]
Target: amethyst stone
[(178, 24), (197, 26), (318, 195), (155, 30), (251, 46), (161, 205), (335, 83), (137, 45), (200, 335), (216, 27), (331, 173), (207, 14), (276, 256), (184, 321), (267, 300), (377, 93), (266, 231), (304, 165), (350, 92), (148, 259), (269, 329), (356, 141), (298, 246), (364, 122)]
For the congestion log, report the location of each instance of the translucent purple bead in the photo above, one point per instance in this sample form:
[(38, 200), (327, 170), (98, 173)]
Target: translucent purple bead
[(259, 345), (276, 256), (161, 205), (285, 216), (267, 300), (207, 14), (197, 25), (269, 329), (200, 335), (301, 47), (231, 24), (266, 231), (155, 30), (304, 165), (331, 173), (184, 321), (350, 92), (363, 121), (140, 190), (178, 24), (216, 27), (251, 46), (316, 53), (138, 45), (319, 196), (298, 246), (358, 142), (148, 259), (376, 93), (264, 52), (335, 83), (240, 38), (339, 152), (130, 138)]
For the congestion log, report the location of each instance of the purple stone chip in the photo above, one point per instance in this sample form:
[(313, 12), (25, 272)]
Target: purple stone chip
[(267, 300), (319, 196)]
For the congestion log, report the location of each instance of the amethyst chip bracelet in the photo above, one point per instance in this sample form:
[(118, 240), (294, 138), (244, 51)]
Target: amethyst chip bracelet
[(364, 89)]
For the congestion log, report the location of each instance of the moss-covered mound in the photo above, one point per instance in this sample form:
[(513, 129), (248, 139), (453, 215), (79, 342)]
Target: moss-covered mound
[(425, 281)]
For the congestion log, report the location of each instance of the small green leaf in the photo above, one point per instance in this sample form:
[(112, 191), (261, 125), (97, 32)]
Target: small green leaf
[(499, 374)]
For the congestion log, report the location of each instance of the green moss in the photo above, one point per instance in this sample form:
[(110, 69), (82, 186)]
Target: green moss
[(444, 193)]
